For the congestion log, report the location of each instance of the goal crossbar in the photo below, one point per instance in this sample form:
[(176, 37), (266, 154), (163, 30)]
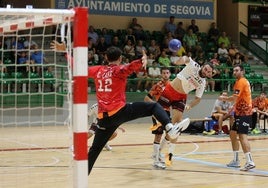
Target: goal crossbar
[(30, 18)]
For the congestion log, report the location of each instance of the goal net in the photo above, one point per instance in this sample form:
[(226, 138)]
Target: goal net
[(36, 99)]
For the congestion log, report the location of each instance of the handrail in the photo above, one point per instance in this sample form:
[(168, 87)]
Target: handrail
[(253, 47)]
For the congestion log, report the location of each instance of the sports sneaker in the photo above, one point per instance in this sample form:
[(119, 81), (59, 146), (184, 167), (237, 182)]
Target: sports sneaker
[(155, 126), (234, 164), (221, 133), (205, 132), (108, 147), (169, 159), (248, 166), (211, 132), (159, 164), (176, 129), (255, 131)]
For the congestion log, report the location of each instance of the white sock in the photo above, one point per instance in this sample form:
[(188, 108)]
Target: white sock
[(171, 148), (236, 156), (156, 151), (163, 144), (168, 126), (248, 157)]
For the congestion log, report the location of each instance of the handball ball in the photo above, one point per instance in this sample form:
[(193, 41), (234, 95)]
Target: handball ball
[(174, 45)]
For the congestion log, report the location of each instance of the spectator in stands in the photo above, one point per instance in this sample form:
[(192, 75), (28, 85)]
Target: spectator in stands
[(181, 52), (38, 57), (222, 111), (154, 48), (101, 49), (237, 60), (200, 58), (169, 36), (170, 26), (93, 35), (213, 33), (223, 53), (17, 44), (130, 36), (190, 41), (260, 111), (164, 46), (137, 29), (150, 59), (173, 59), (223, 38), (23, 58), (139, 48), (233, 50), (154, 73), (129, 50), (193, 27), (28, 43), (7, 42), (215, 59), (107, 36), (180, 31), (116, 42), (92, 59), (142, 80), (92, 50), (164, 60), (210, 84)]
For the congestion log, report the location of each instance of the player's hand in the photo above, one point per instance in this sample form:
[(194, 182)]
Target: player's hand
[(61, 47), (187, 107), (144, 59)]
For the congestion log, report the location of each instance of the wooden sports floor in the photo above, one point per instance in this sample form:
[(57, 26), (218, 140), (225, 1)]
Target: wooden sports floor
[(39, 157)]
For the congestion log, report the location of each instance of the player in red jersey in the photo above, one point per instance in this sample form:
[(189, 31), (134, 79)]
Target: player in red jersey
[(110, 81)]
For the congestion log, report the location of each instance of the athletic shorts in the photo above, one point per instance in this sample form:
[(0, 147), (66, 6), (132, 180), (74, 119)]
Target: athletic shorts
[(242, 124), (171, 98)]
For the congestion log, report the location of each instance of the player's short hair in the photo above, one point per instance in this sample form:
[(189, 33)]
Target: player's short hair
[(165, 68), (113, 53), (240, 66)]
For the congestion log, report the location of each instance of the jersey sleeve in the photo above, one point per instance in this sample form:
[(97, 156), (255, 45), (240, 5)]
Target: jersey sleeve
[(126, 70), (92, 71)]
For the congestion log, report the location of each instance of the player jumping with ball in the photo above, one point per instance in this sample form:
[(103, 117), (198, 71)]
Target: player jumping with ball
[(191, 77)]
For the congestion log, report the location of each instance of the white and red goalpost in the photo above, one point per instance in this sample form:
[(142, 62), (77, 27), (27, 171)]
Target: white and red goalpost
[(43, 111)]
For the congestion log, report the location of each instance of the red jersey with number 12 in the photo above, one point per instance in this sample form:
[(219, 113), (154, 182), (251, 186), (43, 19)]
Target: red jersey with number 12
[(110, 82)]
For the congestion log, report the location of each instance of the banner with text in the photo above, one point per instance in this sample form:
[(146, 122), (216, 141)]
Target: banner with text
[(187, 9)]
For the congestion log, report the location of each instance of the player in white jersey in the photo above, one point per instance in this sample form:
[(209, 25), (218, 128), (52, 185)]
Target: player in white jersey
[(93, 114), (191, 77)]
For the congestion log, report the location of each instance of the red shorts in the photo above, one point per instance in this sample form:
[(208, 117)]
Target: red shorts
[(171, 98)]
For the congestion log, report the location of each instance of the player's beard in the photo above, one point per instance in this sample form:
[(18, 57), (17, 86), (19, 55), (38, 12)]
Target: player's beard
[(201, 74)]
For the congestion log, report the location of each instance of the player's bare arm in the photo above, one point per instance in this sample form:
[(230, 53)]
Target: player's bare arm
[(182, 61), (193, 103)]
